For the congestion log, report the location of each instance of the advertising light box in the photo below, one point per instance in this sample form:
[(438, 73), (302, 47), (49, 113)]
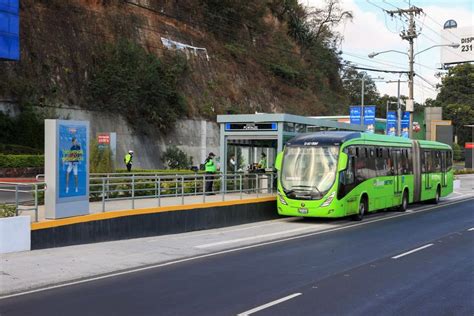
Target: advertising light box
[(9, 30)]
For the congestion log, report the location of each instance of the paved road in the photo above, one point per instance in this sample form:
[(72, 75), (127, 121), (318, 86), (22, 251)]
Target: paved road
[(361, 270)]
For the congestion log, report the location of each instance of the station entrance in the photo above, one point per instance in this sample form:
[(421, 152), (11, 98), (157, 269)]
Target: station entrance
[(245, 137)]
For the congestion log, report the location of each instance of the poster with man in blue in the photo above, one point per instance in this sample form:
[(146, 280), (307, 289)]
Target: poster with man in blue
[(72, 166)]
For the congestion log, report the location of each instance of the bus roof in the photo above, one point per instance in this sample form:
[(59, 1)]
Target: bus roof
[(328, 138), (433, 144), (339, 137)]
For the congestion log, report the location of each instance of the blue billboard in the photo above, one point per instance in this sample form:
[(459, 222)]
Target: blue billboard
[(391, 123), (72, 166), (369, 118), (405, 124), (354, 114), (9, 30)]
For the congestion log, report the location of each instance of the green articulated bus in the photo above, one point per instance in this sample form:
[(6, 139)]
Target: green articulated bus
[(335, 174)]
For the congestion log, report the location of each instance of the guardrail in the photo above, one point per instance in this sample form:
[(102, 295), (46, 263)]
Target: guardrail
[(114, 187), (23, 203)]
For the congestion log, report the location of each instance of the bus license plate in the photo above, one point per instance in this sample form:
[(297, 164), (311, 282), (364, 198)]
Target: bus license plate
[(303, 211)]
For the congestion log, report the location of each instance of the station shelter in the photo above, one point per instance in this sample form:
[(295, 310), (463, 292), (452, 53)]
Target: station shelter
[(246, 136)]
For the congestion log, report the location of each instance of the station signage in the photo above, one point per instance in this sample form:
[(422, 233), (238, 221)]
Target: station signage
[(251, 127), (103, 139)]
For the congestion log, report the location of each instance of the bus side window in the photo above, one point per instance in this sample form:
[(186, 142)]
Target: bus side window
[(360, 165), (410, 161), (381, 162), (437, 163), (349, 173), (449, 160), (371, 158)]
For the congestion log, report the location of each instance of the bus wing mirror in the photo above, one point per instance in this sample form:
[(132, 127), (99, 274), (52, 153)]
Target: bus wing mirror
[(342, 161), (278, 161)]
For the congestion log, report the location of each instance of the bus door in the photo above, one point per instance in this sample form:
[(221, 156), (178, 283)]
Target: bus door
[(428, 168), (444, 181), (397, 185), (416, 162)]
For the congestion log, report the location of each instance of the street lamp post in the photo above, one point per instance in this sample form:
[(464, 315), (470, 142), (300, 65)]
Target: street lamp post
[(411, 60)]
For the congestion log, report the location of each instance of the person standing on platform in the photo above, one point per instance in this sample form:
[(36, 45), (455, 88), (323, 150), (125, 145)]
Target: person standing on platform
[(128, 160), (262, 164), (210, 168)]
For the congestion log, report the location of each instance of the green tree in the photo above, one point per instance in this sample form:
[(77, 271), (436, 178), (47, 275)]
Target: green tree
[(352, 82), (456, 96)]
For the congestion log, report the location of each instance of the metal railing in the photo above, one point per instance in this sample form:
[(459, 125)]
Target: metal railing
[(23, 196), (105, 188)]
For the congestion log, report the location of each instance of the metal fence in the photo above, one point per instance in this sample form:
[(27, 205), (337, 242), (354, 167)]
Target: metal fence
[(22, 196), (135, 186)]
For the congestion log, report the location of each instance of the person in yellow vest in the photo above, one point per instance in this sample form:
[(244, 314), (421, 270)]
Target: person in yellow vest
[(128, 160), (210, 169)]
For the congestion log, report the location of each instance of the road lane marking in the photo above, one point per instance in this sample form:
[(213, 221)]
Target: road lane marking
[(224, 231), (221, 252), (259, 308), (225, 242), (412, 251), (470, 229)]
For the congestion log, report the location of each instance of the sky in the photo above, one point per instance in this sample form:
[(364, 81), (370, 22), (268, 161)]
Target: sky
[(372, 30)]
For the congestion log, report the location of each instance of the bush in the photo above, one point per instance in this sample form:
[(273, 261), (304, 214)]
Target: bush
[(7, 210), (140, 86), (11, 149), (457, 152), (100, 158), (27, 129), (21, 161), (175, 158)]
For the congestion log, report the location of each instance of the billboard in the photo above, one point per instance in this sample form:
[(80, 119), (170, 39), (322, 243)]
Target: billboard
[(369, 118), (464, 36), (66, 168), (9, 30), (354, 114), (391, 123), (73, 157), (405, 125)]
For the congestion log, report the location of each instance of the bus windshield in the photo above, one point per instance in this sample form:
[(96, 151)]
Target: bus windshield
[(309, 169)]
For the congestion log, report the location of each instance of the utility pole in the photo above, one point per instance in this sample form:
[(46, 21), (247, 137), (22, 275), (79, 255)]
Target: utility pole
[(399, 111), (362, 99), (409, 35)]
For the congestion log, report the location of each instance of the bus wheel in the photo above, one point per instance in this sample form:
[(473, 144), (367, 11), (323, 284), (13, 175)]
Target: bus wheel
[(437, 196), (362, 209), (404, 206)]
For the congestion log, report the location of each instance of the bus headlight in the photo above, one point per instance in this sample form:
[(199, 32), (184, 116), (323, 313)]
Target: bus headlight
[(329, 199), (282, 200)]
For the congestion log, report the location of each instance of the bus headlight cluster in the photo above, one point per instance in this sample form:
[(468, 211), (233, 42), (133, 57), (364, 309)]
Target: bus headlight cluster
[(329, 199), (282, 200)]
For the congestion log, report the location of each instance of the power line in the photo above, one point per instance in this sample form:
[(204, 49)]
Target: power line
[(380, 70)]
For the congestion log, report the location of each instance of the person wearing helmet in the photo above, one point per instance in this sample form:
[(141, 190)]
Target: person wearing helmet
[(128, 160), (210, 168)]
